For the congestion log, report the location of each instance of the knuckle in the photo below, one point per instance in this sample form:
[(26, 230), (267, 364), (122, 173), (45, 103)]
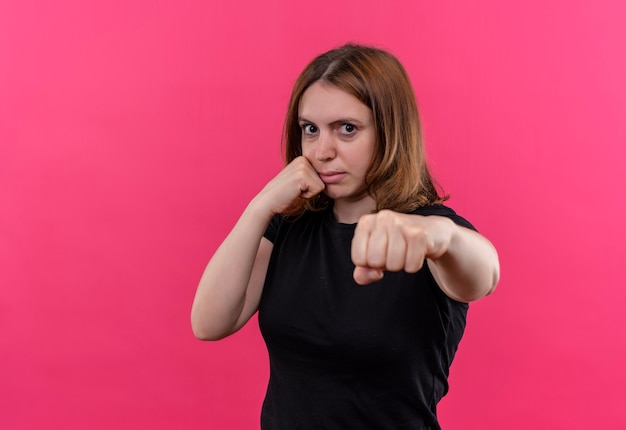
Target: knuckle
[(365, 222), (385, 215), (414, 234)]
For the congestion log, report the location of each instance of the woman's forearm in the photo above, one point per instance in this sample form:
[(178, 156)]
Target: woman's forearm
[(469, 268)]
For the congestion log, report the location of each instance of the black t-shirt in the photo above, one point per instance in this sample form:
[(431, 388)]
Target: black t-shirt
[(349, 356)]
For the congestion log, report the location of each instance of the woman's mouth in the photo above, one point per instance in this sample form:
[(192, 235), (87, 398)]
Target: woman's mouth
[(331, 177)]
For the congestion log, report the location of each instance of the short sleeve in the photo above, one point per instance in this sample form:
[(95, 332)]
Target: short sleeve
[(272, 229), (441, 210)]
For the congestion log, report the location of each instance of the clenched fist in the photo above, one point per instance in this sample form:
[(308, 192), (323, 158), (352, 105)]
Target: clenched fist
[(297, 180), (392, 241)]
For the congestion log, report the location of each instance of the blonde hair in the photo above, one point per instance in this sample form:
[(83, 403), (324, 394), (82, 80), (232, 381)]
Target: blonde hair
[(398, 177)]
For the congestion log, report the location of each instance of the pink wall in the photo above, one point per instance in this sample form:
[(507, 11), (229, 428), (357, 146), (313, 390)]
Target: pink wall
[(133, 133)]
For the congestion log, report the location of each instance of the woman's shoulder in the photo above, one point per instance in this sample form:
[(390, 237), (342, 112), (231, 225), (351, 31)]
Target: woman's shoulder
[(443, 210)]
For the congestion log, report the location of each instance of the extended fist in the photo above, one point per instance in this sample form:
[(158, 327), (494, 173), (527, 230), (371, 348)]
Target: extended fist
[(392, 241)]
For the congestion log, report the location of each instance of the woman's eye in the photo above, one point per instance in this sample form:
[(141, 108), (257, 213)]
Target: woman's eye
[(309, 129), (348, 128)]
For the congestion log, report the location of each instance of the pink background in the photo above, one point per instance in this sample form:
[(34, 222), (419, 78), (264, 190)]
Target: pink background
[(132, 134)]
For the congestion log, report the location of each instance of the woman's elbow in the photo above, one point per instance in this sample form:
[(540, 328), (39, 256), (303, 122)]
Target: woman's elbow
[(201, 334), (481, 288), (202, 331), (493, 279), (495, 270)]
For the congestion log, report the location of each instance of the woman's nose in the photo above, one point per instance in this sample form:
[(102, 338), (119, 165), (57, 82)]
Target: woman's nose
[(325, 149)]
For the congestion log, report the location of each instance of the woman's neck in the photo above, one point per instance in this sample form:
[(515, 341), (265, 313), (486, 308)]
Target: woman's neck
[(349, 212)]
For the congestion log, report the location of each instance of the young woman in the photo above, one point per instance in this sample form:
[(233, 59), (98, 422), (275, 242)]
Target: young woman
[(360, 274)]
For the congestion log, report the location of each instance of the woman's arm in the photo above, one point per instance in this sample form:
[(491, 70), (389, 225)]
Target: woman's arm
[(230, 288), (469, 268), (464, 263)]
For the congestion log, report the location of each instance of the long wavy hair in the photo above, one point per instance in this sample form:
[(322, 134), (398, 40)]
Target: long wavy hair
[(398, 177)]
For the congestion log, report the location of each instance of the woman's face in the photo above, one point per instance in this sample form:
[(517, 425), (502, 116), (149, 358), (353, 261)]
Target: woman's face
[(338, 139)]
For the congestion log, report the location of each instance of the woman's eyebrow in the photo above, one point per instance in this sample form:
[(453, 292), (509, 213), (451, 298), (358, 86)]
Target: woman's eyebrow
[(347, 120), (335, 122)]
